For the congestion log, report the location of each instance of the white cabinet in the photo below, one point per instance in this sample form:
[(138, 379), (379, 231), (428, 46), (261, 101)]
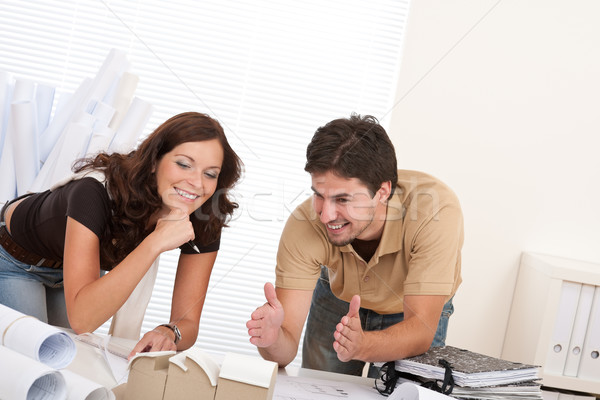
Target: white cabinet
[(554, 321)]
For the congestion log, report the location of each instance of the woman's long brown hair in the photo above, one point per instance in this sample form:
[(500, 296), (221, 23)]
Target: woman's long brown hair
[(131, 185)]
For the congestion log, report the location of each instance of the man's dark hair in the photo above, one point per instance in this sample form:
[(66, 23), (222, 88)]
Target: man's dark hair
[(355, 147)]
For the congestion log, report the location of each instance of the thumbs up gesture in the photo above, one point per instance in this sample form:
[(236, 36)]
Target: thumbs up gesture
[(349, 334), (266, 320)]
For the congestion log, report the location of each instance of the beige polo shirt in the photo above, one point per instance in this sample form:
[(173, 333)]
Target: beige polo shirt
[(419, 251)]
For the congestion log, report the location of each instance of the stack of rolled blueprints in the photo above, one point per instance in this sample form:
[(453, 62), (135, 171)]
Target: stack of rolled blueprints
[(38, 146), (33, 356)]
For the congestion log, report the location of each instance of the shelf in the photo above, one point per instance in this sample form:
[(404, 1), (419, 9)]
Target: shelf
[(554, 321)]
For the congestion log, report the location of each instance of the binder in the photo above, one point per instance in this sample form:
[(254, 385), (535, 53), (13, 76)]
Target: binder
[(563, 327), (579, 330), (550, 394), (566, 396), (469, 369), (589, 366)]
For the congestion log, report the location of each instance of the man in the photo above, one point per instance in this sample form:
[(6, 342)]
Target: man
[(376, 248)]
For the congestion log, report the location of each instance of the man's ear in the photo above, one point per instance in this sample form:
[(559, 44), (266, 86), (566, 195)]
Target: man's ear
[(384, 191)]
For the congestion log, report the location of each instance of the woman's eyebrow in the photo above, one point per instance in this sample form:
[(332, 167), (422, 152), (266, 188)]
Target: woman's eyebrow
[(185, 155)]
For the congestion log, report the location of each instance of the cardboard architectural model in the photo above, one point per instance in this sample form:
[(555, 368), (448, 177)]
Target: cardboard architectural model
[(192, 375), (148, 376), (246, 377)]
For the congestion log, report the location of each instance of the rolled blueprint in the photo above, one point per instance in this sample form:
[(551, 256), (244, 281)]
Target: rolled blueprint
[(22, 129), (114, 65), (100, 141), (102, 113), (8, 183), (123, 97), (81, 102), (71, 147), (35, 339), (44, 98), (81, 388), (24, 90), (50, 136), (6, 86), (132, 126), (22, 378)]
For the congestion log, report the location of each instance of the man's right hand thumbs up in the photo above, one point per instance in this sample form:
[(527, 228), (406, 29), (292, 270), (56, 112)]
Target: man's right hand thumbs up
[(266, 320)]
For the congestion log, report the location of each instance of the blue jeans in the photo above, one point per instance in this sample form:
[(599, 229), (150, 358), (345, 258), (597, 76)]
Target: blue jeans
[(326, 311), (31, 290)]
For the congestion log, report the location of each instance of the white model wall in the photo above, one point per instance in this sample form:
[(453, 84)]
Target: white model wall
[(501, 99)]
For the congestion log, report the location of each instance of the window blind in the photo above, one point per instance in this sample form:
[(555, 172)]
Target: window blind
[(270, 71)]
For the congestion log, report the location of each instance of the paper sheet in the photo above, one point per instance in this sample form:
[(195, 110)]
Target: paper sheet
[(411, 391), (114, 354), (302, 388)]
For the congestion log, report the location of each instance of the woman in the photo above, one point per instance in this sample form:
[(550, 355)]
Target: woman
[(169, 192)]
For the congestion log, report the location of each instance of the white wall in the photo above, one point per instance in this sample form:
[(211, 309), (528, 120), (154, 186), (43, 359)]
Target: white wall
[(501, 99)]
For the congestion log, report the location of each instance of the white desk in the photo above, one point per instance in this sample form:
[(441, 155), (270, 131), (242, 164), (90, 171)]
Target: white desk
[(90, 363)]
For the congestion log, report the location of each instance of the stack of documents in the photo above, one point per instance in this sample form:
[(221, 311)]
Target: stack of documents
[(475, 375), (523, 390)]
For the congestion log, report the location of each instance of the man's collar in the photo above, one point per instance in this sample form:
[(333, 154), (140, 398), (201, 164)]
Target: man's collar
[(389, 242)]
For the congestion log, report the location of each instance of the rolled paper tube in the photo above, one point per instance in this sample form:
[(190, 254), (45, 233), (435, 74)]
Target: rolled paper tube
[(22, 128), (79, 387), (24, 378), (132, 126), (24, 90), (123, 97), (51, 139), (6, 87), (8, 183), (51, 135), (76, 139), (100, 141), (103, 113), (44, 98), (44, 343)]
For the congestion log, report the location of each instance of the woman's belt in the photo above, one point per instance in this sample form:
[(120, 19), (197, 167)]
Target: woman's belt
[(18, 252)]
